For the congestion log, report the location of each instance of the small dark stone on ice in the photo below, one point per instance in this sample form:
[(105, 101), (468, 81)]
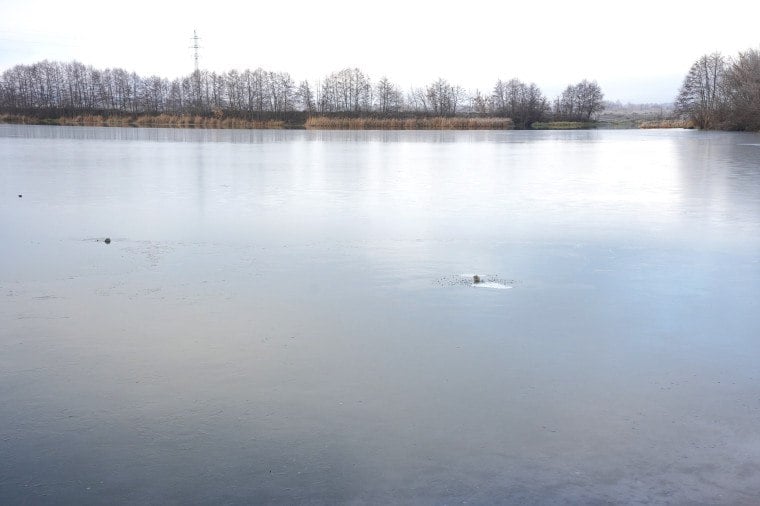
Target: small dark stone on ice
[(108, 240), (19, 195), (476, 279)]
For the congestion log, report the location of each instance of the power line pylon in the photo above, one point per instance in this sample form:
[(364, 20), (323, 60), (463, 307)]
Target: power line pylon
[(195, 47)]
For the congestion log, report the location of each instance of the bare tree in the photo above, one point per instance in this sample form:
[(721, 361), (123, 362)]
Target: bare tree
[(590, 99), (346, 91), (701, 97), (388, 97), (281, 93), (523, 103), (579, 102), (305, 97), (442, 98), (742, 87), (480, 104), (417, 100)]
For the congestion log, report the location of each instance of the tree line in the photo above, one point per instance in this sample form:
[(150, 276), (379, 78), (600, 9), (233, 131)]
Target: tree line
[(72, 88), (722, 92)]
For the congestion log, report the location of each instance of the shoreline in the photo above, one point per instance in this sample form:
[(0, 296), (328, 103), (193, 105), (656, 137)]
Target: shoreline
[(329, 123), (310, 123)]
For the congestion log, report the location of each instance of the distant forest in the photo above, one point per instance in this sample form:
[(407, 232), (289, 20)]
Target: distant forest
[(718, 92), (722, 92), (50, 89)]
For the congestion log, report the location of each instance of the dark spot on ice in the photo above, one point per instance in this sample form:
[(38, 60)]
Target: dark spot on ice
[(484, 280)]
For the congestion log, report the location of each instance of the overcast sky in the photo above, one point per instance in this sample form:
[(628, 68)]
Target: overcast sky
[(637, 51)]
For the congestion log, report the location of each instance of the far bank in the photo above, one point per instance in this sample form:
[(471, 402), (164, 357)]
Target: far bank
[(331, 122)]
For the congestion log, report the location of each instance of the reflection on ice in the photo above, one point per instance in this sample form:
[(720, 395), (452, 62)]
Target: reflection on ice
[(280, 316)]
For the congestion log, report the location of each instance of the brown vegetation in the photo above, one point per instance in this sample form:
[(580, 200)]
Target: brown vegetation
[(161, 120), (315, 122), (563, 125), (422, 123), (19, 119), (189, 121), (667, 123), (723, 93)]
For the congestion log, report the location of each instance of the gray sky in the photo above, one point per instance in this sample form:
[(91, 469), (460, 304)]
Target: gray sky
[(637, 51)]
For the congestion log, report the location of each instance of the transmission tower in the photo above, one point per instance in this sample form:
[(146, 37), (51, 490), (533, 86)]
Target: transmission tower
[(197, 74), (195, 47)]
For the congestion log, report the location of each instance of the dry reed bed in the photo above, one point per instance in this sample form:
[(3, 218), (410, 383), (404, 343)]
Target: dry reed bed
[(436, 123), (667, 123), (19, 119), (161, 120), (188, 121), (316, 122)]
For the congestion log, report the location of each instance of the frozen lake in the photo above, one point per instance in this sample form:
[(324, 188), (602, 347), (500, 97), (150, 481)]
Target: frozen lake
[(289, 317)]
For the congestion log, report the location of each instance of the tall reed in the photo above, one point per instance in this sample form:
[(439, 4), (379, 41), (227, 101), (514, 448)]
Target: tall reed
[(161, 120), (667, 123), (425, 123)]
